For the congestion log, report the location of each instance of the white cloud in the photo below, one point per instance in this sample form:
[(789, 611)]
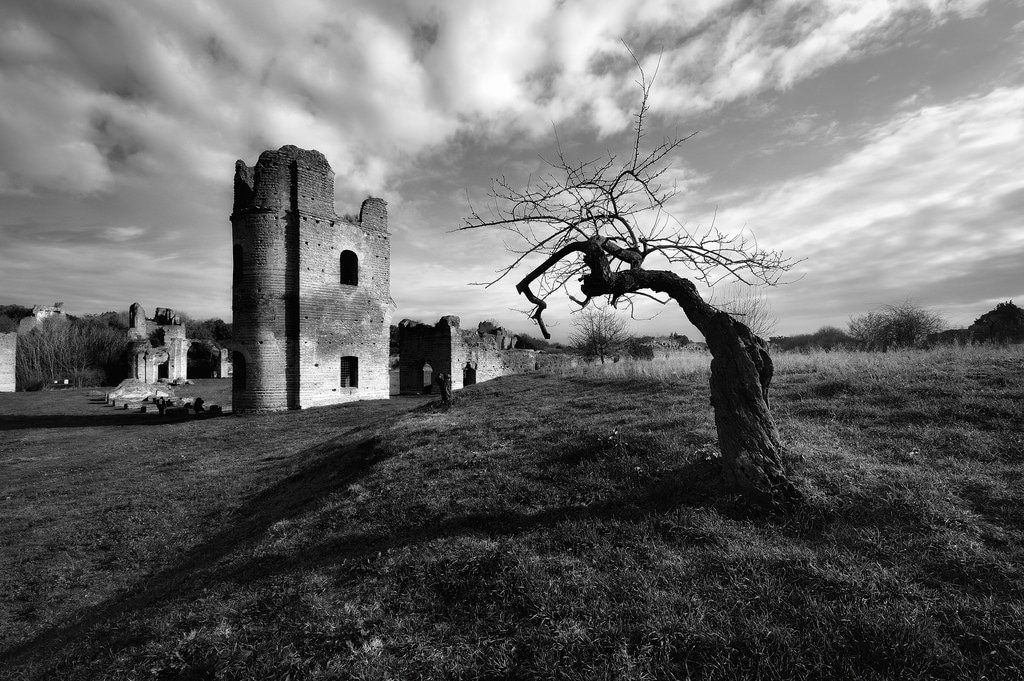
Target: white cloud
[(136, 111), (914, 209), (361, 84), (123, 233), (44, 136)]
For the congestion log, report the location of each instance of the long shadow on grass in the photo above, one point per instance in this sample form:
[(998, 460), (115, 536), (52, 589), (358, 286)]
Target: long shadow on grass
[(333, 464), (118, 418), (695, 484)]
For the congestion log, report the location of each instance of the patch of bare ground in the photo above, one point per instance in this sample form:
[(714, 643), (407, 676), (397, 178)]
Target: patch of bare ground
[(547, 526)]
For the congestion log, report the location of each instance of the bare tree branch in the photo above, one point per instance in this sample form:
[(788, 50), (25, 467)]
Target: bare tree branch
[(605, 224)]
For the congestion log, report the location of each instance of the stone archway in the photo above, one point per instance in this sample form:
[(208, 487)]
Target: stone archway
[(427, 372)]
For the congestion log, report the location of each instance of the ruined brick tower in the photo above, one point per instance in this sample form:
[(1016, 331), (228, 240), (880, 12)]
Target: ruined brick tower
[(311, 290)]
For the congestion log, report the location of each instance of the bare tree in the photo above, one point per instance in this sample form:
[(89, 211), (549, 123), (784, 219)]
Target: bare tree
[(598, 333), (750, 305), (81, 351), (895, 326), (604, 222)]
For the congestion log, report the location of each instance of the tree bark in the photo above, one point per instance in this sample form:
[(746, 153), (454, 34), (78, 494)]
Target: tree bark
[(444, 388), (741, 373)]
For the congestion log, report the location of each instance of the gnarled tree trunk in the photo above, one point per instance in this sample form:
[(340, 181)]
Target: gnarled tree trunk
[(741, 368), (741, 372), (444, 388)]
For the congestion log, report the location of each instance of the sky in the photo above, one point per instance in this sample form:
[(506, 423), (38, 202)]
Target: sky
[(878, 143)]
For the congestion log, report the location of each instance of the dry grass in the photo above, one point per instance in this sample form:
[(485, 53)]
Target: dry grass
[(549, 526)]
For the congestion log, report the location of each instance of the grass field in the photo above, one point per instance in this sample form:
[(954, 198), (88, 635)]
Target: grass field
[(548, 526)]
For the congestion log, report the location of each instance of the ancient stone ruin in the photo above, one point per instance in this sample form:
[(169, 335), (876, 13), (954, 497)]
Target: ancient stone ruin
[(468, 356), (8, 349), (159, 347), (311, 290), (207, 359), (39, 313)]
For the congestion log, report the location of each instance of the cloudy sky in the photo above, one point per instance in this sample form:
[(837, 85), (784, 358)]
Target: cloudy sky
[(879, 141)]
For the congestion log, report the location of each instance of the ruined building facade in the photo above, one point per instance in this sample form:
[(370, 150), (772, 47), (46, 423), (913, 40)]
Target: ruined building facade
[(470, 356), (39, 314), (311, 291), (159, 347)]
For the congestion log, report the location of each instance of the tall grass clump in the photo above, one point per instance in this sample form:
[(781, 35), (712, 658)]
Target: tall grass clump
[(661, 369), (873, 367), (887, 367)]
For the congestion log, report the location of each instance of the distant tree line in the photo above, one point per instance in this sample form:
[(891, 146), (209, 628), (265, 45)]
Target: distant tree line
[(216, 330), (826, 338), (889, 327), (906, 325)]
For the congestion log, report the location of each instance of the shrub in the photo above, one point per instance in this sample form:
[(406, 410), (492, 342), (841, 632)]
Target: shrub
[(637, 349), (86, 352), (895, 326)]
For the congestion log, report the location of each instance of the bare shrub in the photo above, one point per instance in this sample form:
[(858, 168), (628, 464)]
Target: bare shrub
[(81, 351), (598, 333), (904, 325)]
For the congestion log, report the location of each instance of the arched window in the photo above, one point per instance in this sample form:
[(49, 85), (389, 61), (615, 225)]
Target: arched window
[(349, 372), (349, 268), (238, 372), (236, 271)]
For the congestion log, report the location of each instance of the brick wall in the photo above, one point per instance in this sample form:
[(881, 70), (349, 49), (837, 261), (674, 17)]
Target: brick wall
[(420, 344), (294, 318), (463, 354), (8, 351), (340, 319), (146, 360)]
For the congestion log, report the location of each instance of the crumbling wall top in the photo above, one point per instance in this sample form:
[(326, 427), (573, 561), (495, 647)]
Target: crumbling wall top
[(137, 317), (373, 214), (165, 317), (286, 179)]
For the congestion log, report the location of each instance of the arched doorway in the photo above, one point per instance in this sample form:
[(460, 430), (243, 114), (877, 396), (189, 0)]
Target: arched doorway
[(203, 361), (428, 378), (468, 374)]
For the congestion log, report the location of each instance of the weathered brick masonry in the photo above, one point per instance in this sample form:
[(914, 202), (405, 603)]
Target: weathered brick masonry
[(8, 350), (469, 356), (311, 290), (170, 359)]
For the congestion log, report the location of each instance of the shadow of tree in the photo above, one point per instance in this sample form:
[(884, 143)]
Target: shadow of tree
[(119, 418), (335, 465), (696, 484)]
